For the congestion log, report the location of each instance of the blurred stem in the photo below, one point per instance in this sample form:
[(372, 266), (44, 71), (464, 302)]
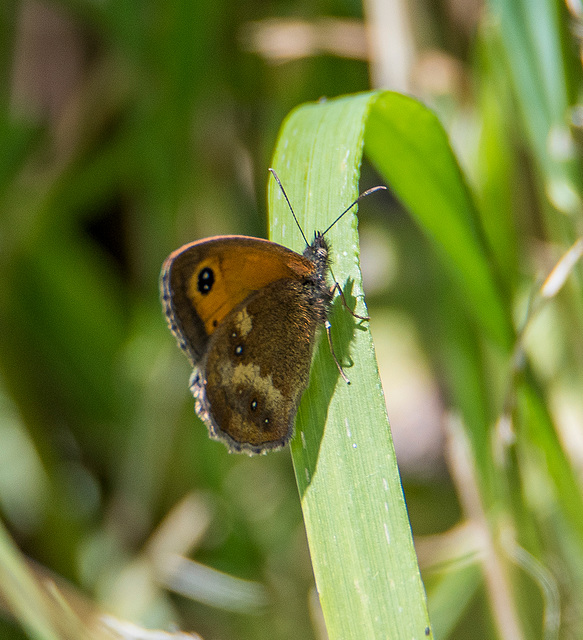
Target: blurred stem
[(22, 592)]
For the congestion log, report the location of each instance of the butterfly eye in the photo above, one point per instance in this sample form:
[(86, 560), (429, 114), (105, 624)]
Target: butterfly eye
[(253, 405), (239, 350), (206, 279)]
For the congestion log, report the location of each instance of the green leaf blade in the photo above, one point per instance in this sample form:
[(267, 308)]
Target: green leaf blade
[(354, 510), (407, 144)]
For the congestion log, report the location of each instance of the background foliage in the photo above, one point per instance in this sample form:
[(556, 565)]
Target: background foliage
[(127, 129)]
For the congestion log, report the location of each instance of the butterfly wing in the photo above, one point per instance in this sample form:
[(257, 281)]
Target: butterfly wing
[(257, 366), (202, 282)]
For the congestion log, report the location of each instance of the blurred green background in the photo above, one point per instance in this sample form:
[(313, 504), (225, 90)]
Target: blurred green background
[(130, 128)]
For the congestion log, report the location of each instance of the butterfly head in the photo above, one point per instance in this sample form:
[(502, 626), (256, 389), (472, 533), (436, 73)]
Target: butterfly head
[(319, 252), (319, 244)]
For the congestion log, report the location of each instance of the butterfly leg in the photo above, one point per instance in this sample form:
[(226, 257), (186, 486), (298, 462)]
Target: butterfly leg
[(338, 288), (329, 334)]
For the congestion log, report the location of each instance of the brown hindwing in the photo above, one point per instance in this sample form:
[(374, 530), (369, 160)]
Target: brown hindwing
[(257, 366)]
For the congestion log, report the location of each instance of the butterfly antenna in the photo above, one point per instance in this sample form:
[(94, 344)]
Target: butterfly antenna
[(289, 204), (360, 197)]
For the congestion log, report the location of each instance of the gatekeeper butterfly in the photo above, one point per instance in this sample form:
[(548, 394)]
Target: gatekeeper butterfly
[(246, 313)]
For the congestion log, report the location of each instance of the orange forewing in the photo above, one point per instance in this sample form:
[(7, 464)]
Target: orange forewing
[(241, 265)]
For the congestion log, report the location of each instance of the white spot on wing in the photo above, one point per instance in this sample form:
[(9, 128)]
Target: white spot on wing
[(243, 322)]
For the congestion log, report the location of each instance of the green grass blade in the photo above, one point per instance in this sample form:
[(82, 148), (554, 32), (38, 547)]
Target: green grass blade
[(21, 593), (530, 42), (354, 511), (408, 145)]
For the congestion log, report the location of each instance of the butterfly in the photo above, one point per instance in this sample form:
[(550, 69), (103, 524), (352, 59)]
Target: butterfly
[(246, 312)]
